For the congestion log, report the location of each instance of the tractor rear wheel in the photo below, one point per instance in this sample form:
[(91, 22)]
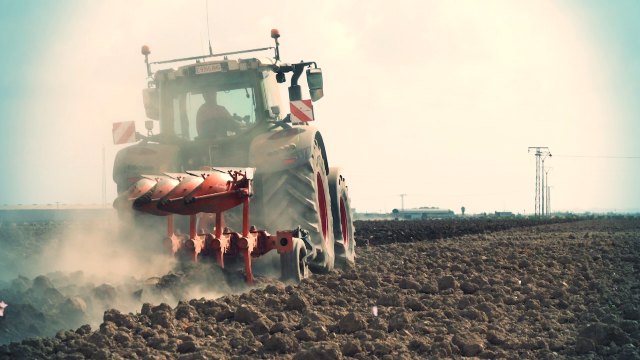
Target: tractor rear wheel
[(294, 264), (343, 223), (300, 197)]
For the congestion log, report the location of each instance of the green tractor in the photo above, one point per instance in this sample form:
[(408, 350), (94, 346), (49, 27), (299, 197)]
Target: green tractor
[(218, 116)]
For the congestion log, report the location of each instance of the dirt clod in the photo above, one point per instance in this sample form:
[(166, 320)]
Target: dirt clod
[(351, 323)]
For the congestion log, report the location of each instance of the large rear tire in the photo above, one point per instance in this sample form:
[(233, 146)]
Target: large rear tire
[(300, 197), (343, 229)]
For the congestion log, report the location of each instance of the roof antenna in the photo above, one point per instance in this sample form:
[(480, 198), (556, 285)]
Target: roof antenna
[(208, 30)]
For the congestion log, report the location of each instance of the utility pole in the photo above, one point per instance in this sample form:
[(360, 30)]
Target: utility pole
[(543, 188), (104, 177), (541, 153), (546, 189), (402, 201)]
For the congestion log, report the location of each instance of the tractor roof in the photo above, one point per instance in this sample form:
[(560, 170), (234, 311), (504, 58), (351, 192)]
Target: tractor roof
[(215, 66)]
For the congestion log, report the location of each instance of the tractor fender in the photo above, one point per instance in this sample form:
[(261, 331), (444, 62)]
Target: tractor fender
[(285, 148), (143, 159)]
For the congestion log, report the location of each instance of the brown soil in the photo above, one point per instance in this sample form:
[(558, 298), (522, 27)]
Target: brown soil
[(550, 291)]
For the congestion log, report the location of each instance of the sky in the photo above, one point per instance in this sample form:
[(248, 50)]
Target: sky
[(438, 100)]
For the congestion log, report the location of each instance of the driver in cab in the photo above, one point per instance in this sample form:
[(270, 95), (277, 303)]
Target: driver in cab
[(213, 120)]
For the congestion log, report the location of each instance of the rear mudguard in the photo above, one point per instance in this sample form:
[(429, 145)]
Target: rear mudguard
[(143, 158), (285, 148)]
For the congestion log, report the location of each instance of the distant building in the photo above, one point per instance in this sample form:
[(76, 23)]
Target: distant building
[(423, 213), (372, 216), (504, 214)]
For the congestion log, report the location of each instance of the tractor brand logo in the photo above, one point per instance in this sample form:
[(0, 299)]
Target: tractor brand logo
[(205, 69), (301, 110), (124, 132)]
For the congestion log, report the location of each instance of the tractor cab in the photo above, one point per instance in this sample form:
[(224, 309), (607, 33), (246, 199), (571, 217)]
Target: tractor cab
[(213, 100)]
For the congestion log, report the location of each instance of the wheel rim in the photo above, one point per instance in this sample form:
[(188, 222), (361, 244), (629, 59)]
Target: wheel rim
[(322, 203), (343, 224)]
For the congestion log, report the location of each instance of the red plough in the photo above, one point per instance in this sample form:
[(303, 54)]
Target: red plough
[(215, 191)]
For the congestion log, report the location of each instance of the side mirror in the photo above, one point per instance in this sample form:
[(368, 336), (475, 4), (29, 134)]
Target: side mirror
[(151, 101), (316, 94), (314, 80)]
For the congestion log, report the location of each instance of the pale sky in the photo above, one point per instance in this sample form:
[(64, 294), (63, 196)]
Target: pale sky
[(438, 100)]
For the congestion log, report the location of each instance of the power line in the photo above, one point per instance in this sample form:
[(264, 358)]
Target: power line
[(477, 194), (599, 156), (450, 195)]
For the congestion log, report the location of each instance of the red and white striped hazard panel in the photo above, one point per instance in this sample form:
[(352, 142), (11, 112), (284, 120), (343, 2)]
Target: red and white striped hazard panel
[(301, 110), (124, 132)]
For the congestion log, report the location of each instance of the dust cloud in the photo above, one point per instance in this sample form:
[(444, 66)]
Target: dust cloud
[(113, 262)]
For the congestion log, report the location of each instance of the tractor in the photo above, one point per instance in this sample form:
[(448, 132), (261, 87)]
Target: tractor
[(226, 167)]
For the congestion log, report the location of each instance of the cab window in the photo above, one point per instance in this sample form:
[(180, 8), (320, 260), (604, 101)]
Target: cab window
[(239, 103)]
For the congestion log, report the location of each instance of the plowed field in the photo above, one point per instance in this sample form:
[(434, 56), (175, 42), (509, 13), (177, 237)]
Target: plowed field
[(418, 290)]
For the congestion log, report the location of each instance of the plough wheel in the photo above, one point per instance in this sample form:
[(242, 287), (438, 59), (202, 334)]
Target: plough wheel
[(342, 221), (294, 264)]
